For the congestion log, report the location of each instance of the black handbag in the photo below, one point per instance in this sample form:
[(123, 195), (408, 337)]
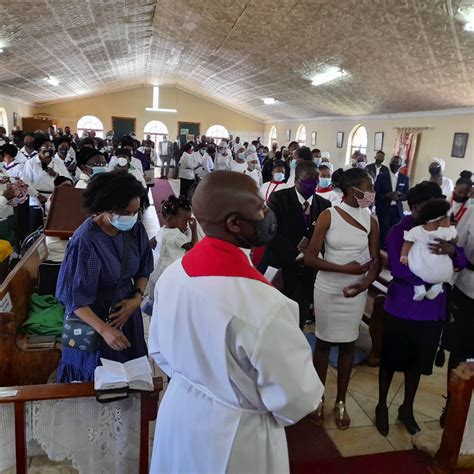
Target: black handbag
[(77, 334)]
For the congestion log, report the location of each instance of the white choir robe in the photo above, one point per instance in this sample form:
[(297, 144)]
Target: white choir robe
[(241, 369)]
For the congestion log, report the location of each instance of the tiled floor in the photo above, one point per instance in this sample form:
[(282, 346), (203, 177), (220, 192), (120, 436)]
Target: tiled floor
[(362, 437)]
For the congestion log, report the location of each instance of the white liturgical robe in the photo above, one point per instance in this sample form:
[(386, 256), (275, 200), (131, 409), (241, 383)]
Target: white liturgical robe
[(241, 369)]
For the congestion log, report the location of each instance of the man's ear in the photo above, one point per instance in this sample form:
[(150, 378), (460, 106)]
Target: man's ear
[(232, 224)]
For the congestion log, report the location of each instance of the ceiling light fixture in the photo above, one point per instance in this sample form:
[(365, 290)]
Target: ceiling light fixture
[(1, 50), (269, 101), (330, 74), (52, 80)]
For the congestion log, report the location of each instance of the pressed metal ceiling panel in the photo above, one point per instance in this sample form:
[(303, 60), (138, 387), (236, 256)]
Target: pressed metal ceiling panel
[(401, 55)]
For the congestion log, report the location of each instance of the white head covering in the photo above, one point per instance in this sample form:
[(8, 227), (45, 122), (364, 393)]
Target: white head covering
[(251, 149), (252, 157), (326, 154), (440, 161)]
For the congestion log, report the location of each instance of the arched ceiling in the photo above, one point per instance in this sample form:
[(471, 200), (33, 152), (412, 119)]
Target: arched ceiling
[(401, 55)]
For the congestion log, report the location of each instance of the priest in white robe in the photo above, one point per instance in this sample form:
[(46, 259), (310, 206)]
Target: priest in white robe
[(241, 369)]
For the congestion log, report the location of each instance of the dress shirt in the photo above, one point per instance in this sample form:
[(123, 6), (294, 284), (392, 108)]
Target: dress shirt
[(14, 169), (39, 180), (393, 179), (186, 166)]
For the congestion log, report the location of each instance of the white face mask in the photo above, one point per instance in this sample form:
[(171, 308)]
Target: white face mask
[(122, 162)]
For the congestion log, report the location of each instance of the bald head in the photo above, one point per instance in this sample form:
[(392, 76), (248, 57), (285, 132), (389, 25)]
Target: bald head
[(223, 193)]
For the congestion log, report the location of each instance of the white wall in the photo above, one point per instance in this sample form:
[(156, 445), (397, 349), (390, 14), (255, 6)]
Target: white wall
[(435, 142)]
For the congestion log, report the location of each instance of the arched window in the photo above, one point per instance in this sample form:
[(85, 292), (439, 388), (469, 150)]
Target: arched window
[(157, 130), (273, 136), (3, 118), (89, 123), (357, 141), (301, 135), (218, 132)]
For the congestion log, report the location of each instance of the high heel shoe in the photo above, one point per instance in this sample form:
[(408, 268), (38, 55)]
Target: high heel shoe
[(381, 419), (317, 416), (407, 418), (341, 418)]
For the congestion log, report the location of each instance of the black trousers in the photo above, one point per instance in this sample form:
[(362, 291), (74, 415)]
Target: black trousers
[(298, 285), (185, 185)]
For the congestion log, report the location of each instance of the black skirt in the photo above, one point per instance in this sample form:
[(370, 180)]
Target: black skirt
[(458, 335), (409, 345)]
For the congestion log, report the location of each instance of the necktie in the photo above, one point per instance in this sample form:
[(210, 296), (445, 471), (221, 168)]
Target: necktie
[(306, 210)]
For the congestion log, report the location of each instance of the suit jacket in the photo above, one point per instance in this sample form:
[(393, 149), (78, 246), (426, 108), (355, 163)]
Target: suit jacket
[(371, 169), (383, 185), (282, 251)]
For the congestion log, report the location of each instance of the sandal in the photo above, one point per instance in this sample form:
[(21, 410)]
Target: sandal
[(341, 418), (317, 416)]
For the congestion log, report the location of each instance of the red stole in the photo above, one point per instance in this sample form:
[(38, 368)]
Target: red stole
[(215, 257)]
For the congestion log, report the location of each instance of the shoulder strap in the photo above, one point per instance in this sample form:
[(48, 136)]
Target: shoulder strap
[(123, 267)]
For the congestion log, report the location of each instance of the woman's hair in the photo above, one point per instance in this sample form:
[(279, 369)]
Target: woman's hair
[(62, 179), (123, 152), (279, 164), (352, 178), (278, 155), (436, 208), (172, 205), (63, 139), (465, 178), (337, 177), (423, 192), (39, 141), (324, 167), (188, 146), (113, 191)]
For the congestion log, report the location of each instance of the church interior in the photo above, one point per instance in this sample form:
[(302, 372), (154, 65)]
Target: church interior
[(330, 96)]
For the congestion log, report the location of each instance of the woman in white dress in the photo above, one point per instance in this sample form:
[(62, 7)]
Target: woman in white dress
[(348, 236)]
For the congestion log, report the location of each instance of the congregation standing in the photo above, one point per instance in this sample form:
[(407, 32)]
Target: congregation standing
[(288, 209)]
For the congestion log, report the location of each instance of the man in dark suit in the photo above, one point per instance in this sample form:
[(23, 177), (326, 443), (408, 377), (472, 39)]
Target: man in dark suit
[(374, 169), (177, 156), (296, 209), (390, 191)]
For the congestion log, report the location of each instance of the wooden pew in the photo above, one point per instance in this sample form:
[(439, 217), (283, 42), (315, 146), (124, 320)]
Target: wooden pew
[(18, 365), (455, 435), (148, 412)]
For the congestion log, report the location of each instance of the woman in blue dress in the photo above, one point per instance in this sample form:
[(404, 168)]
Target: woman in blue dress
[(89, 282)]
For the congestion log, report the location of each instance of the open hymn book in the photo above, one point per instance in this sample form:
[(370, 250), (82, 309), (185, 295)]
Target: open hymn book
[(117, 378)]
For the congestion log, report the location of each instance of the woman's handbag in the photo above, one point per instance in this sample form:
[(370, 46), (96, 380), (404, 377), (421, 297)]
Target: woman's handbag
[(77, 333)]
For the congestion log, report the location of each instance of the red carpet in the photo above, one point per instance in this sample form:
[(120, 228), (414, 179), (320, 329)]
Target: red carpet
[(408, 462), (161, 191)]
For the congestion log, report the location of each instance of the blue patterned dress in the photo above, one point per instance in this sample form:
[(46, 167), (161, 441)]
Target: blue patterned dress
[(88, 277)]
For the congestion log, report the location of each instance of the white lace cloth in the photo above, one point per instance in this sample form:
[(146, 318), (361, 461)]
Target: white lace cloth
[(98, 438)]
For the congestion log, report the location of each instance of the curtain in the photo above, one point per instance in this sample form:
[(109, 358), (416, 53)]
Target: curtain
[(405, 147)]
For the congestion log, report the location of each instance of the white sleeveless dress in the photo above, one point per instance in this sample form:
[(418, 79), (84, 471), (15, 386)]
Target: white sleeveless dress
[(337, 317)]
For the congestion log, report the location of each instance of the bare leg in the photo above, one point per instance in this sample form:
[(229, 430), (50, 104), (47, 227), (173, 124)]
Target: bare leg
[(344, 369), (321, 359)]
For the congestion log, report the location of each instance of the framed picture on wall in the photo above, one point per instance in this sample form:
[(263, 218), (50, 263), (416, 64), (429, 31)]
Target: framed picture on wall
[(378, 141), (459, 145), (313, 138), (288, 134), (15, 119), (340, 140)]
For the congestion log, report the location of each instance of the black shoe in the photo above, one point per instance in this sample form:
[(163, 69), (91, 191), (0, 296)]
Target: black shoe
[(407, 418), (381, 419)]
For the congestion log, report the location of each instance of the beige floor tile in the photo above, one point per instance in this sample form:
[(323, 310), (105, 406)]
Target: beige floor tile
[(357, 415), (432, 425), (357, 441), (435, 383), (397, 376), (426, 403), (399, 437), (368, 404), (368, 383)]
